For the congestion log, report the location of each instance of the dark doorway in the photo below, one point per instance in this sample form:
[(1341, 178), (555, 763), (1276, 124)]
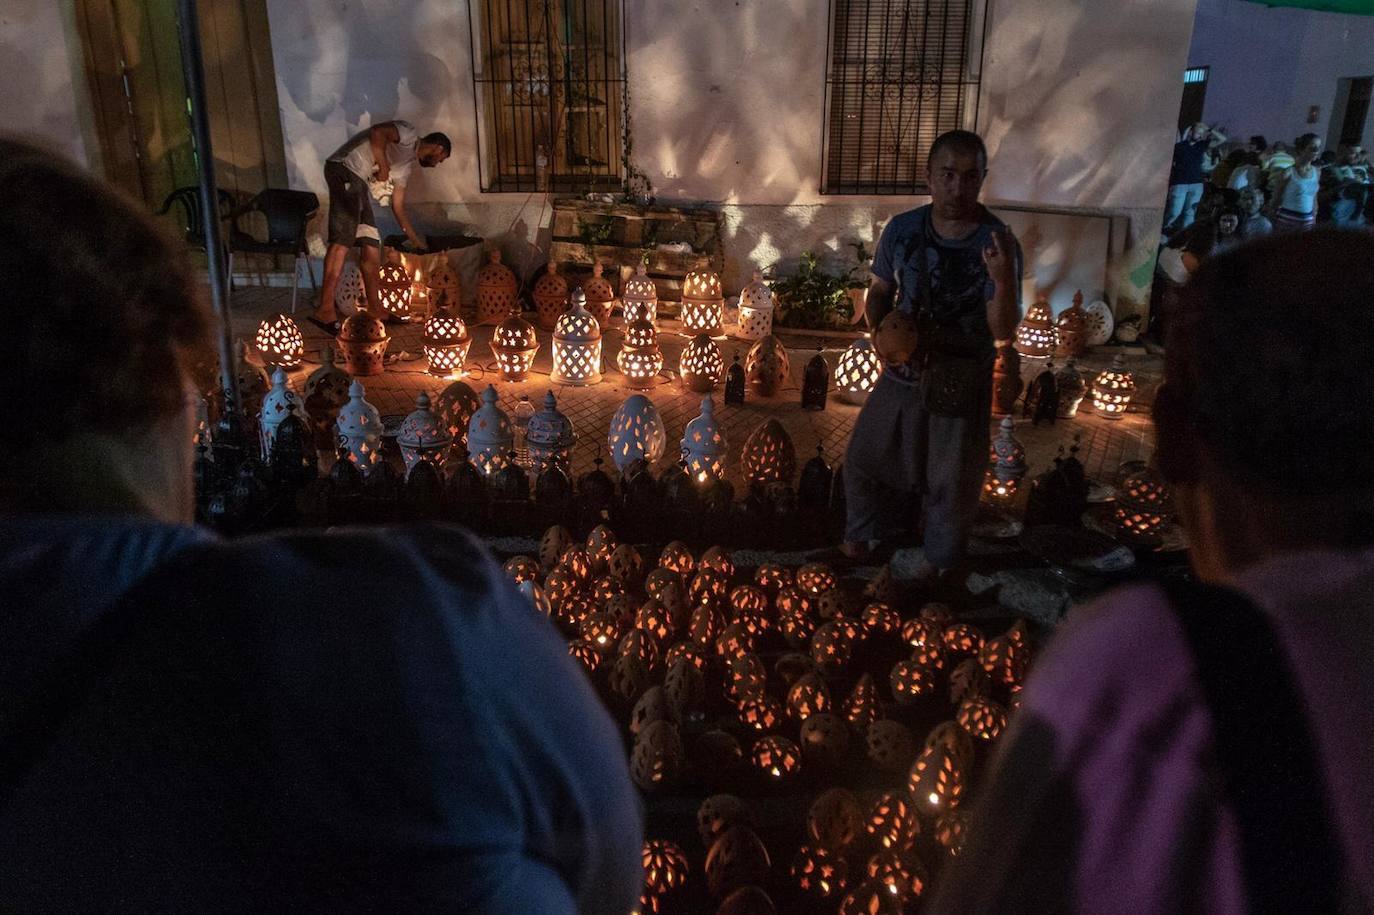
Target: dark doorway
[(1194, 96), (1356, 110)]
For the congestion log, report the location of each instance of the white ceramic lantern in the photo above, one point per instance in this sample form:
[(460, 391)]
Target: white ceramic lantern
[(280, 342), (703, 305), (422, 437), (350, 295), (490, 436), (577, 346), (639, 299), (640, 359), (637, 433), (550, 437), (1112, 390), (858, 371), (701, 364), (359, 429), (756, 309), (446, 343), (394, 290), (1008, 465), (276, 406), (703, 445), (514, 343)]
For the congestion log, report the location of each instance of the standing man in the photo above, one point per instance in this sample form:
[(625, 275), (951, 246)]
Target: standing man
[(1187, 175), (956, 270), (375, 162)]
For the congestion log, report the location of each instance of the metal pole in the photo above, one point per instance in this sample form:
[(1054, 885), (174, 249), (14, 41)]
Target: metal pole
[(193, 68)]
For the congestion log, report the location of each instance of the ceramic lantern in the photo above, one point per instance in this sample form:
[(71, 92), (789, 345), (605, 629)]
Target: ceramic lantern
[(280, 343), (701, 364), (1072, 388), (550, 437), (1036, 336), (767, 367), (600, 295), (768, 455), (350, 295), (1072, 327), (637, 433), (1112, 390), (550, 296), (858, 371), (703, 305), (445, 290), (446, 343), (895, 339), (755, 309), (640, 359), (490, 436), (416, 267), (455, 407), (279, 403), (1143, 508), (325, 392), (703, 446), (514, 343), (665, 867), (776, 757), (639, 298), (1008, 466), (359, 428), (422, 437), (394, 291), (362, 340), (1006, 379), (577, 346), (496, 290)]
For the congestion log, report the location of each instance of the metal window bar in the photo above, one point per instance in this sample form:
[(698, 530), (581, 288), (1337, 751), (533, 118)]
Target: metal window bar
[(550, 75), (898, 74)]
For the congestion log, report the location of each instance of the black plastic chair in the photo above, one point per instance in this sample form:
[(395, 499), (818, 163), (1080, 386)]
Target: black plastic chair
[(187, 201), (287, 213)]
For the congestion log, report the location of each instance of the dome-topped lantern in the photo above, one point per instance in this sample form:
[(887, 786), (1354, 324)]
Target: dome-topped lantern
[(280, 342), (858, 371), (1072, 388), (514, 342), (755, 309), (703, 446), (1112, 390), (550, 437), (1073, 328), (703, 304), (395, 290), (639, 298), (637, 433), (550, 296), (769, 455), (422, 437), (1008, 466), (701, 364), (362, 340), (1036, 336), (1143, 508), (446, 343), (496, 290), (445, 290), (600, 295), (577, 346), (325, 392), (640, 359), (276, 406), (767, 366), (359, 429), (490, 436)]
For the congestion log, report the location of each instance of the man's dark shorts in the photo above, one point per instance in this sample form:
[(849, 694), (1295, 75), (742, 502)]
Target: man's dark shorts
[(350, 208)]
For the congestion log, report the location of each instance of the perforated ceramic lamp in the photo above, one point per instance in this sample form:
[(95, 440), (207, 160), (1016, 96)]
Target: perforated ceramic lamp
[(280, 343), (755, 309), (363, 340), (490, 436), (514, 343), (701, 364), (577, 346), (550, 437), (767, 366), (446, 343), (1003, 478), (637, 433), (1072, 327), (703, 304), (1036, 336), (359, 429), (445, 289), (600, 295), (1112, 390), (640, 359), (769, 455), (703, 446), (394, 291), (422, 437), (550, 296), (639, 298), (276, 406), (416, 266), (496, 290), (858, 371)]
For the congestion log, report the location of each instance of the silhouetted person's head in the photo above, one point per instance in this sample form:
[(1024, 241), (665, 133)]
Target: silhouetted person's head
[(957, 165), (105, 331)]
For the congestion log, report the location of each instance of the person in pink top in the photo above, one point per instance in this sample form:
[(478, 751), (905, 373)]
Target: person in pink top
[(1209, 746)]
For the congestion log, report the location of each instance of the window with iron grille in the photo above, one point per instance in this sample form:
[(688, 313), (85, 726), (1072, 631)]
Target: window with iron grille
[(550, 84), (899, 73)]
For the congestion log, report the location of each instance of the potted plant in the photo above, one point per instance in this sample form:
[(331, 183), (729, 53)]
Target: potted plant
[(816, 298)]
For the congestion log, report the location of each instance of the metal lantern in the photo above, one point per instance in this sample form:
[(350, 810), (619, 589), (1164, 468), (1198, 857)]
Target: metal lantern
[(640, 359), (701, 364), (767, 367), (455, 407), (514, 343), (550, 437), (496, 290), (422, 437), (600, 295), (490, 436), (1036, 336), (280, 342), (756, 309), (703, 446), (768, 455), (639, 298), (325, 392), (637, 433), (815, 382), (550, 296), (1008, 466), (362, 340), (276, 406), (446, 343), (359, 429), (703, 305), (734, 382), (1112, 390), (1072, 325), (858, 371), (395, 290), (445, 290), (577, 346), (1072, 389)]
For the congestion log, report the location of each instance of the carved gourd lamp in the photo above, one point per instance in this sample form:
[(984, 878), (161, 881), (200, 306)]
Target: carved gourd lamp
[(359, 429), (550, 296), (496, 290), (600, 295), (363, 340), (665, 869), (819, 873), (1112, 390), (577, 346), (636, 433), (639, 298), (756, 303), (858, 371), (769, 455), (1072, 327), (1036, 336), (703, 303), (446, 343), (703, 446), (514, 344), (550, 437), (777, 758), (490, 436), (640, 360), (280, 343), (395, 289), (767, 367), (701, 364)]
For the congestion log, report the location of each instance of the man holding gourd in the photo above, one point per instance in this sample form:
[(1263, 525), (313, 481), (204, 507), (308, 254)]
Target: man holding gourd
[(945, 289)]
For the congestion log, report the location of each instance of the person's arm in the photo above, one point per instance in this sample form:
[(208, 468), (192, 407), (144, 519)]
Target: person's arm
[(1001, 260), (378, 137), (1276, 196), (398, 207), (882, 295), (1215, 138)]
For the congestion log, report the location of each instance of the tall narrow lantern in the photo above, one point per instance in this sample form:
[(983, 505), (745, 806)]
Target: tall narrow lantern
[(550, 296), (701, 364), (1072, 326), (815, 382), (1112, 390), (1008, 466), (637, 433), (446, 343), (359, 428), (280, 342), (514, 343), (703, 445), (1037, 337), (858, 371), (756, 309), (455, 407), (490, 436), (550, 437), (276, 406), (422, 437), (703, 305), (640, 359), (577, 346), (639, 298), (600, 295), (394, 291), (496, 290)]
